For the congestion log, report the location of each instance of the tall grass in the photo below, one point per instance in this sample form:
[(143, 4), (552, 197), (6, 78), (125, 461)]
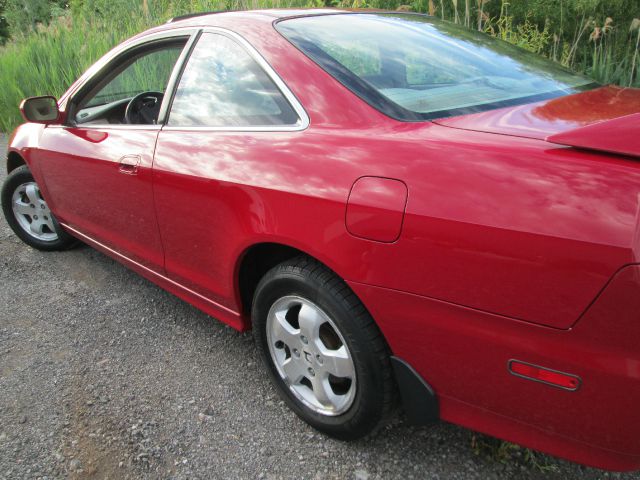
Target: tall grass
[(48, 59)]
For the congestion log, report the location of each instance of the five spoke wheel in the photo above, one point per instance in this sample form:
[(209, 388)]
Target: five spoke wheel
[(323, 351), (32, 213), (310, 355), (28, 214)]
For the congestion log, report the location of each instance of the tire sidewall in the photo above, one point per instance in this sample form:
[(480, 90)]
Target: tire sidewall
[(16, 178), (367, 405)]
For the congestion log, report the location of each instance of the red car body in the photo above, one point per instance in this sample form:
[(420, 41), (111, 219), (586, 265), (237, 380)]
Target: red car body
[(473, 241)]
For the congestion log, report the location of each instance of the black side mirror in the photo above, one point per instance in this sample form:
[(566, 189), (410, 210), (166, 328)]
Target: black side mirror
[(40, 109)]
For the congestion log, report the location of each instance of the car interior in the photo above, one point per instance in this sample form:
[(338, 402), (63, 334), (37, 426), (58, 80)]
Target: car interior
[(132, 90)]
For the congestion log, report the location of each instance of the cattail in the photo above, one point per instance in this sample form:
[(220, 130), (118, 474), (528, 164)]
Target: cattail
[(608, 25), (432, 8)]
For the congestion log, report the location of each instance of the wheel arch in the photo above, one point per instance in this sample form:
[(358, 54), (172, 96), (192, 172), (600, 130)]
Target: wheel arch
[(257, 259), (417, 396), (253, 263), (14, 160)]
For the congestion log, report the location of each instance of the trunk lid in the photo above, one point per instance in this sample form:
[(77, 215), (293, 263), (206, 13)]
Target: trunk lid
[(604, 119)]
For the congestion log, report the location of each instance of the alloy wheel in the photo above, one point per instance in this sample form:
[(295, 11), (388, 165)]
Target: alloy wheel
[(32, 213), (311, 355)]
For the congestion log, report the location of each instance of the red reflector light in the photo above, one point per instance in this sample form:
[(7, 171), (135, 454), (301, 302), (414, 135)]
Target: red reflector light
[(544, 375)]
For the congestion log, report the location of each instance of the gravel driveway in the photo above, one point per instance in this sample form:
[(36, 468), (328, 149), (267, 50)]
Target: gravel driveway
[(104, 375)]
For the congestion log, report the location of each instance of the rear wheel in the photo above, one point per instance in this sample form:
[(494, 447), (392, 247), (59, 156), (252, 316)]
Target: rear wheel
[(28, 214), (324, 353)]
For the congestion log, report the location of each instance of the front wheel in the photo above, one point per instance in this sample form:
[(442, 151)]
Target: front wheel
[(28, 214), (324, 353)]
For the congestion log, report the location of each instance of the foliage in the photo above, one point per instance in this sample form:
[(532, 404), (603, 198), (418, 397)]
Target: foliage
[(498, 451), (4, 26), (24, 16), (50, 59), (54, 41), (591, 36)]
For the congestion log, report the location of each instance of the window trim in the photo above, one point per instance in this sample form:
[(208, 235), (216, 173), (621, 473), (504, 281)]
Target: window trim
[(117, 56), (174, 79), (303, 118)]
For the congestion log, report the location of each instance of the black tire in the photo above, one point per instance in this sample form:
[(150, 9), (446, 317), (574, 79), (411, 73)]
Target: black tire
[(374, 397), (14, 180)]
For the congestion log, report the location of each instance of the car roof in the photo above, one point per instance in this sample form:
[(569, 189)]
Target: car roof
[(240, 18), (212, 18), (248, 20)]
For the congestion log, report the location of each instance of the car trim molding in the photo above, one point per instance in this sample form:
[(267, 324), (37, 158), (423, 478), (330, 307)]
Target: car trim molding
[(99, 67), (176, 75), (148, 270), (303, 117), (165, 109), (109, 126)]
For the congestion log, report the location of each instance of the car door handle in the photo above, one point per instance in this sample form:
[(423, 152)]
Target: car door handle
[(129, 164)]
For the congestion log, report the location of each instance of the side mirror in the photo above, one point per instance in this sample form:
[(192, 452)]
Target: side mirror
[(40, 109)]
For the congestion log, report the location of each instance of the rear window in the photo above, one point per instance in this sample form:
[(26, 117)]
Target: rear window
[(415, 67)]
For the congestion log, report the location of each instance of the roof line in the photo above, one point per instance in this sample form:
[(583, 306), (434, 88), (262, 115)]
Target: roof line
[(194, 15), (213, 12)]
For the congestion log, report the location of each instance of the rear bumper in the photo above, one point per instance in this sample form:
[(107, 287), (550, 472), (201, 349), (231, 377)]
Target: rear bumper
[(463, 355)]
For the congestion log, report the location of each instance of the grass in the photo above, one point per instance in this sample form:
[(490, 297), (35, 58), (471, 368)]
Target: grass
[(498, 451), (49, 59)]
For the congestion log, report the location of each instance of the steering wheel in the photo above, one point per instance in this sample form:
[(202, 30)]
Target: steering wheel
[(143, 109)]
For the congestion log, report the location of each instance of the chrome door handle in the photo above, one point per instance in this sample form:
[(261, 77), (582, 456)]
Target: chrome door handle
[(129, 164)]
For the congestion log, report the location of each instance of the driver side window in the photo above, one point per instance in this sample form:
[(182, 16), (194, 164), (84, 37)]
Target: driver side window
[(145, 72)]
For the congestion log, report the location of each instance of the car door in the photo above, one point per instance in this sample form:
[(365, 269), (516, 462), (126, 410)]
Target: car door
[(97, 167), (230, 115)]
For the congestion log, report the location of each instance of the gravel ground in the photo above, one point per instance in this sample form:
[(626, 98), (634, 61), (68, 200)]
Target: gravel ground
[(104, 375)]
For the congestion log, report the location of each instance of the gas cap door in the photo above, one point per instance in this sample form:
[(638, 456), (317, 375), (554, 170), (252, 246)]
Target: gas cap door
[(375, 208)]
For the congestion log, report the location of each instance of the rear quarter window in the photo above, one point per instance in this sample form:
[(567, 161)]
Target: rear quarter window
[(223, 86)]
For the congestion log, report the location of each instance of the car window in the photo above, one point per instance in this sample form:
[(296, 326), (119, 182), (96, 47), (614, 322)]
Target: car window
[(361, 58), (223, 86), (421, 71), (415, 67), (147, 73)]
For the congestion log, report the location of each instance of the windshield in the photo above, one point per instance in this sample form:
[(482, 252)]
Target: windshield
[(415, 67)]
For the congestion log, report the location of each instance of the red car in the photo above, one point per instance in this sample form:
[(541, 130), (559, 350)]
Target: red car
[(403, 210)]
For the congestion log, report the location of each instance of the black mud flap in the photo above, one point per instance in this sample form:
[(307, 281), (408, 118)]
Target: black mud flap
[(418, 398)]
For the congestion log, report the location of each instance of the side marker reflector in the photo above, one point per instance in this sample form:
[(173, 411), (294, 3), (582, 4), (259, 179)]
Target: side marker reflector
[(536, 373)]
